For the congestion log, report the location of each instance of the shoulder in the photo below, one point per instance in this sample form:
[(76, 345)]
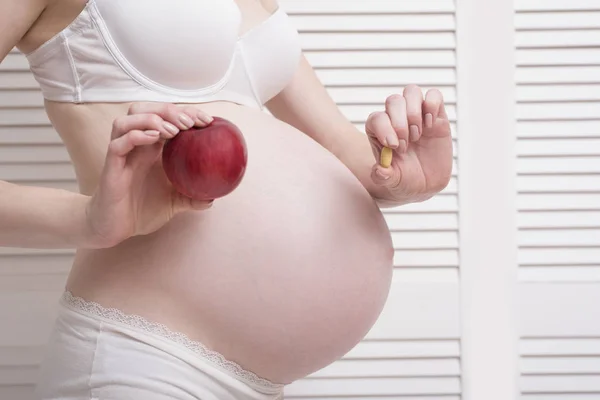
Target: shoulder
[(17, 17), (270, 5)]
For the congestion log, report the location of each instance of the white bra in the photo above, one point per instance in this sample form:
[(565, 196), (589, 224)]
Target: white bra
[(176, 51)]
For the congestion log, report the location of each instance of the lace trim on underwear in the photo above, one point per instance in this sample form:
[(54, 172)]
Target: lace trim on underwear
[(141, 323)]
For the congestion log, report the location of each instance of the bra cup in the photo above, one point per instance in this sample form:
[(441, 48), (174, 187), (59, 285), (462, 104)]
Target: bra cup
[(183, 50), (125, 51)]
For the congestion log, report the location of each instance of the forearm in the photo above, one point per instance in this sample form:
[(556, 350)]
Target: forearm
[(34, 217)]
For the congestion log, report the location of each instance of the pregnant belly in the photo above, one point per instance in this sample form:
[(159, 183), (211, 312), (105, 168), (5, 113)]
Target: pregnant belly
[(284, 275)]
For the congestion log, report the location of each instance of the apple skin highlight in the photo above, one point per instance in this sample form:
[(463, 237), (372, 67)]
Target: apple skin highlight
[(206, 163)]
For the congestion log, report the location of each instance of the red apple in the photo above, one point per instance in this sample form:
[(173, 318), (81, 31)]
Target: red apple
[(206, 163)]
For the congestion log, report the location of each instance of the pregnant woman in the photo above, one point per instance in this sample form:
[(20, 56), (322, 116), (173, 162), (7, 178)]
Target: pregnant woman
[(170, 298)]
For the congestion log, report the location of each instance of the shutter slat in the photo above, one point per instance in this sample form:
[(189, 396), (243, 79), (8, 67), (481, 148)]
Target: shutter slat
[(381, 387), (558, 201), (543, 347), (348, 368), (426, 258), (407, 349), (376, 41), (403, 397), (36, 135), (554, 20), (17, 80), (550, 147), (68, 184), (18, 392), (557, 38), (570, 129), (560, 238), (556, 5), (554, 165), (381, 58), (377, 95), (376, 23), (14, 62), (559, 93), (425, 240), (560, 396), (564, 365), (318, 7), (32, 266), (359, 112), (558, 183), (426, 222), (427, 275), (564, 274), (536, 111), (563, 56), (559, 255), (387, 76), (40, 282), (23, 116), (21, 98), (563, 219), (34, 154), (586, 74), (561, 384), (37, 172)]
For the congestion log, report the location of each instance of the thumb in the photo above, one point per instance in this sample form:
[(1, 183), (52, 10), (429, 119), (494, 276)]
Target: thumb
[(386, 176), (183, 203)]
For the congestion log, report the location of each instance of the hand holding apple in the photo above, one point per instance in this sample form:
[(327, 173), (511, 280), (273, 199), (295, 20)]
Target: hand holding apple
[(133, 196)]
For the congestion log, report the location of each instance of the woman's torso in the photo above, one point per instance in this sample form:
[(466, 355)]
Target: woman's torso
[(283, 276)]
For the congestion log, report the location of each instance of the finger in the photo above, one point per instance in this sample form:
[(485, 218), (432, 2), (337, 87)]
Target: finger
[(184, 203), (143, 122), (379, 127), (168, 112), (395, 107), (414, 112), (433, 107), (387, 177), (123, 145), (199, 117)]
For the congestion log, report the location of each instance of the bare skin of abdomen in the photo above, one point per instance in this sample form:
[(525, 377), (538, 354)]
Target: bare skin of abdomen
[(283, 276)]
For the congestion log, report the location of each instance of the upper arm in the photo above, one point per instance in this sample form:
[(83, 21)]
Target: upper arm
[(306, 104), (16, 18)]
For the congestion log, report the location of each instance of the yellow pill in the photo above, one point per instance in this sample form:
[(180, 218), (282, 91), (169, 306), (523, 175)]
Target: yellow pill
[(386, 157)]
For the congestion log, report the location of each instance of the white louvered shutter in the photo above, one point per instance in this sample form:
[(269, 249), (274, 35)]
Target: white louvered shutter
[(558, 163), (364, 51), (31, 153)]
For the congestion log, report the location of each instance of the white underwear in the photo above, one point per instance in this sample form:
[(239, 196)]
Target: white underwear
[(96, 353)]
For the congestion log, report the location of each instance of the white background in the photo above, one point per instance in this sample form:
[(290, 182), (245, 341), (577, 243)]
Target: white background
[(496, 292)]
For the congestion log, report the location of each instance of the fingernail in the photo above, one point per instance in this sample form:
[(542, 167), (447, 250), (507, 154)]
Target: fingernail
[(403, 146), (391, 141), (414, 133), (172, 129), (207, 119), (152, 133), (381, 174), (428, 120), (186, 121)]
